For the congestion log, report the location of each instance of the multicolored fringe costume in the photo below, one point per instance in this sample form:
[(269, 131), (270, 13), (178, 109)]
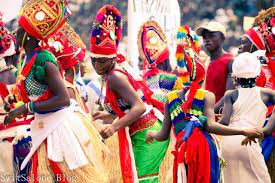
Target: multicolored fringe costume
[(153, 50), (196, 157), (194, 147), (135, 153)]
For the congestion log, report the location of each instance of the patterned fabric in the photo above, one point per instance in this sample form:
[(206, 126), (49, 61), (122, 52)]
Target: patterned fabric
[(33, 87), (106, 32), (163, 83), (178, 118), (42, 18)]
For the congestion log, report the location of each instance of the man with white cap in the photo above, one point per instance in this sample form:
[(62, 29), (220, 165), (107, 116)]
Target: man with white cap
[(246, 107), (220, 66)]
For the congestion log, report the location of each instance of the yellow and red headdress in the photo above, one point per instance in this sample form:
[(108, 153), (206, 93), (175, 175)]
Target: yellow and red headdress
[(152, 43), (106, 32), (265, 25), (67, 47), (42, 18), (189, 66), (6, 40)]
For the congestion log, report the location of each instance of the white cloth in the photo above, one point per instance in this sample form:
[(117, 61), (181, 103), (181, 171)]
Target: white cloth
[(245, 163), (246, 65), (65, 133)]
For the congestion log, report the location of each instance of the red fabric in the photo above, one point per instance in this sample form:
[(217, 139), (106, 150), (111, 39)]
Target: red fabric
[(16, 123), (25, 71), (195, 154), (255, 38), (120, 58), (217, 74), (192, 91), (34, 167), (126, 162), (3, 90)]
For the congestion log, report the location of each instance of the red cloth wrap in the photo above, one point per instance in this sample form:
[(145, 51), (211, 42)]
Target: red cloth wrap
[(195, 154)]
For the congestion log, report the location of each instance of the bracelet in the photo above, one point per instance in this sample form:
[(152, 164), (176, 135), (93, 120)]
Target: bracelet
[(32, 107)]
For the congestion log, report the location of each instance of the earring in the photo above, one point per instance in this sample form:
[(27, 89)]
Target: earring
[(28, 38)]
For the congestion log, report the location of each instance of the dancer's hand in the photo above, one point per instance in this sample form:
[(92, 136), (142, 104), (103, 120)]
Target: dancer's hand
[(248, 141), (150, 136), (14, 113), (253, 133), (8, 100), (106, 117), (107, 131)]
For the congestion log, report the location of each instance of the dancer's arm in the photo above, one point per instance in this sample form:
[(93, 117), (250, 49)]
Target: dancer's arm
[(164, 133), (120, 85), (216, 128), (56, 85)]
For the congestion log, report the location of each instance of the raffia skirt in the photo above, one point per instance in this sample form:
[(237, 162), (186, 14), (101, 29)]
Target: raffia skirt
[(71, 152)]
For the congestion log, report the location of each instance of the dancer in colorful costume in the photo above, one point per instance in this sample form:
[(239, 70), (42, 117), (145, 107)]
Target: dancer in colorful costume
[(190, 112), (246, 107), (127, 100), (62, 145), (153, 50)]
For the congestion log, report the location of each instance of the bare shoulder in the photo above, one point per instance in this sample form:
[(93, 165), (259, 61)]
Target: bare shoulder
[(117, 79)]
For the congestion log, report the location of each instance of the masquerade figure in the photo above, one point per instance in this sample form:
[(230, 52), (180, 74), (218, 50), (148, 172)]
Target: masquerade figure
[(62, 147), (246, 107), (153, 50), (126, 99), (190, 111)]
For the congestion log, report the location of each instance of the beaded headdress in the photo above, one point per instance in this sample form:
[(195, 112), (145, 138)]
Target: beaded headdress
[(42, 18), (106, 32)]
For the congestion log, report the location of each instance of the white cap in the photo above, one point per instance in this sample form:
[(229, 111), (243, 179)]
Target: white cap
[(212, 27), (246, 65)]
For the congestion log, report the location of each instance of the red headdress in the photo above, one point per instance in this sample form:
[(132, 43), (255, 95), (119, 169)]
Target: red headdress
[(106, 32), (152, 43), (6, 40), (42, 18), (255, 37), (189, 66), (67, 47)]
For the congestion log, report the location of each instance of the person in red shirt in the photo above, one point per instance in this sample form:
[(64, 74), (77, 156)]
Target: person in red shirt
[(218, 76)]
